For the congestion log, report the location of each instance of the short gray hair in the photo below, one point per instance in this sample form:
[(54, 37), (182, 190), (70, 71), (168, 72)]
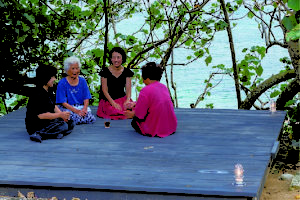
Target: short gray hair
[(69, 61)]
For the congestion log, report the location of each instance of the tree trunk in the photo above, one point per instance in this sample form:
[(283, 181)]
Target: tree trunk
[(294, 52), (234, 67), (106, 33)]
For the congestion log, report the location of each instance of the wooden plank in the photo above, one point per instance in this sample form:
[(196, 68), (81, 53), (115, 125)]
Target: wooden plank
[(198, 160), (275, 149)]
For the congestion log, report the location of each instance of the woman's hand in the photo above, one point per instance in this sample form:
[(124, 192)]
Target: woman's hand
[(129, 105), (65, 116), (126, 103), (81, 112), (116, 106), (84, 111)]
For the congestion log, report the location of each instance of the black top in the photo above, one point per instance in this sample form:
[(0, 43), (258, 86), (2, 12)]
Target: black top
[(116, 86), (39, 102)]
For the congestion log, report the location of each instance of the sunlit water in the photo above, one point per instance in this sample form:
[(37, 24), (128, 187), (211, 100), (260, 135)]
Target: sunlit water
[(190, 79)]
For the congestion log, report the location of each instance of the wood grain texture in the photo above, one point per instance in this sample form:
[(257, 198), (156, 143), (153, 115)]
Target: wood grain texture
[(198, 160)]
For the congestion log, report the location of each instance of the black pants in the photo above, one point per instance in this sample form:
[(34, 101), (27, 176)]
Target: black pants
[(136, 126), (56, 127)]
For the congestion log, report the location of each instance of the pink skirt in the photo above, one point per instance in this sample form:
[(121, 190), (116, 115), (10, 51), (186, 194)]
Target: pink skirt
[(107, 111)]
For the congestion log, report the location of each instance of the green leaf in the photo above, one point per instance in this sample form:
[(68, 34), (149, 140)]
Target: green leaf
[(239, 2), (221, 25), (145, 31), (97, 52), (294, 4), (22, 39), (250, 15), (25, 27), (131, 40), (199, 53), (294, 34), (30, 17), (275, 93), (208, 60), (188, 42), (289, 22), (259, 70), (34, 1)]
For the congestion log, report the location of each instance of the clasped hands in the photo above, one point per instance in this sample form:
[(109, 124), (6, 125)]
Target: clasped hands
[(128, 106), (81, 112), (65, 116)]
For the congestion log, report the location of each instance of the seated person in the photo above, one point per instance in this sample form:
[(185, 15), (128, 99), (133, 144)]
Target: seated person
[(73, 93), (43, 118), (113, 98), (154, 112)]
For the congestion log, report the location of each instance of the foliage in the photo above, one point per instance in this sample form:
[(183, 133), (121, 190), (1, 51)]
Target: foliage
[(292, 20), (37, 32), (251, 65)]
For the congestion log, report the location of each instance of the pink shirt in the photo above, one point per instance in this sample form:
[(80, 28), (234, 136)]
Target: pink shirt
[(155, 106)]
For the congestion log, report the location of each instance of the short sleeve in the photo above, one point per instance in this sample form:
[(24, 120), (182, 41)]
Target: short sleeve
[(128, 72), (104, 72), (86, 90)]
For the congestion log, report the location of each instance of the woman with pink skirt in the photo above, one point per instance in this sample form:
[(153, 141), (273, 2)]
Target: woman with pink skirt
[(115, 93)]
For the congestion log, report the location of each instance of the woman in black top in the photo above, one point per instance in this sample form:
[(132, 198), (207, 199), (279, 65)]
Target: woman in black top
[(43, 118), (114, 79)]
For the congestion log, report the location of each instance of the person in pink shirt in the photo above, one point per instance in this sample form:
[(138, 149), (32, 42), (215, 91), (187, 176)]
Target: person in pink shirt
[(154, 111)]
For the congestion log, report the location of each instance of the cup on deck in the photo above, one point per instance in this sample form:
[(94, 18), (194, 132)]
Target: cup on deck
[(107, 123)]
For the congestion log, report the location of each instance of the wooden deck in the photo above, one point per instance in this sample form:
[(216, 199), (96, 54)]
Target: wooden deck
[(197, 162)]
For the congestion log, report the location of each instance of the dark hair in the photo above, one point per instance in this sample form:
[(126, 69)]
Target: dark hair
[(44, 74), (152, 71), (120, 51)]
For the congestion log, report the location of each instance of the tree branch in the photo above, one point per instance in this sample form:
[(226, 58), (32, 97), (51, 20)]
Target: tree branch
[(289, 92), (264, 86)]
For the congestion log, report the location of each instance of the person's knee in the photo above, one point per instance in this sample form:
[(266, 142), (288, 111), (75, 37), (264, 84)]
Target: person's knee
[(71, 124), (64, 127)]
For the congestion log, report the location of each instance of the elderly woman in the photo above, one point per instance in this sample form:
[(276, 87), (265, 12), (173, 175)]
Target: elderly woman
[(154, 112), (73, 93), (43, 118), (114, 79)]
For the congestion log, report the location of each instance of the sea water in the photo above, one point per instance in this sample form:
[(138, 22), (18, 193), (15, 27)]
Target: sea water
[(190, 78)]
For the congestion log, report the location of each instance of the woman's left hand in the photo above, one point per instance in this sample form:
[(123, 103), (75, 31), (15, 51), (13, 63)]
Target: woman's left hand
[(126, 102), (82, 112)]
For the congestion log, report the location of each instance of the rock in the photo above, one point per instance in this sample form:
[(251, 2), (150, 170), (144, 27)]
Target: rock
[(286, 177), (295, 184), (30, 195), (20, 195)]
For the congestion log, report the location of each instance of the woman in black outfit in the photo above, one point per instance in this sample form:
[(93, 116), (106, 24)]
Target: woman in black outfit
[(43, 118)]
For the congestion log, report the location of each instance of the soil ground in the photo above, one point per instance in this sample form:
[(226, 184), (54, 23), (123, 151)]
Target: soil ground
[(276, 189)]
